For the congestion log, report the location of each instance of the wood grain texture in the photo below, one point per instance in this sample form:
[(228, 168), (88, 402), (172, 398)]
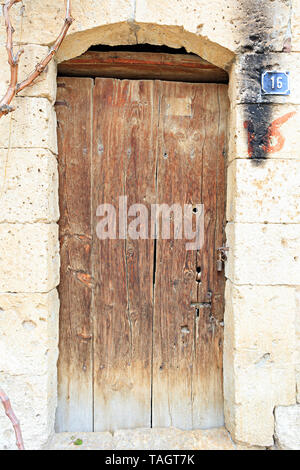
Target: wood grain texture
[(187, 360), (141, 334), (208, 369), (75, 366), (125, 133), (143, 65)]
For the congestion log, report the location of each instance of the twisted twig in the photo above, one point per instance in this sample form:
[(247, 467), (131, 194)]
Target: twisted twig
[(11, 415), (13, 60)]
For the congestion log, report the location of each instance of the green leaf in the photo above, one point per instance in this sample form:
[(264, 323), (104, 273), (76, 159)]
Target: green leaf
[(78, 442)]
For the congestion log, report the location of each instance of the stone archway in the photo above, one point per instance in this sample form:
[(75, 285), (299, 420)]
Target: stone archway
[(129, 33)]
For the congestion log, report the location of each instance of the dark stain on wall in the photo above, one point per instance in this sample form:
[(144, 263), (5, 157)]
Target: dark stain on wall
[(257, 123), (255, 52), (257, 116)]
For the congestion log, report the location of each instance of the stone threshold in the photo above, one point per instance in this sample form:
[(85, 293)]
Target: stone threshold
[(146, 439)]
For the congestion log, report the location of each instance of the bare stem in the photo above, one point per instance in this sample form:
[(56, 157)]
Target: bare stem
[(13, 61), (15, 87), (11, 415)]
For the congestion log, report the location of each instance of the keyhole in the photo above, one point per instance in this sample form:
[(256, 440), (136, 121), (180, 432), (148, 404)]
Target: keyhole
[(198, 275)]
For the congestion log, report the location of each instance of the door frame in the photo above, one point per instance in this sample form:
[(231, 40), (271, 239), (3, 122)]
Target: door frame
[(151, 66)]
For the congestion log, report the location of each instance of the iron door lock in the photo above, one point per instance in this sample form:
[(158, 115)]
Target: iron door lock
[(222, 257)]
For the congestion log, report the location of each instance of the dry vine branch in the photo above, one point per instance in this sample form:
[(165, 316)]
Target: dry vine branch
[(13, 60), (11, 415)]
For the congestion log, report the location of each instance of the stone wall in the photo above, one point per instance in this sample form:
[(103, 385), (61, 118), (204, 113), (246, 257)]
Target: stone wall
[(262, 332)]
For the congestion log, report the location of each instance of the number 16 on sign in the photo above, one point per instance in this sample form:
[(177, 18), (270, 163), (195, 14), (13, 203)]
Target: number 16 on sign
[(275, 83)]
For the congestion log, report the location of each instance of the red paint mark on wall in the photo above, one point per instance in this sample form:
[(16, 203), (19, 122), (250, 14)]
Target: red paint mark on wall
[(273, 140)]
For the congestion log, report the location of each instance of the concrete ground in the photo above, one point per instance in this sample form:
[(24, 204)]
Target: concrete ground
[(145, 439)]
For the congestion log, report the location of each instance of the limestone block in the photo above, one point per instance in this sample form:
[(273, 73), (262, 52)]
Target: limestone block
[(115, 34), (236, 26), (263, 319), (266, 193), (287, 427), (206, 30), (90, 441), (295, 24), (226, 27), (281, 121), (245, 83), (29, 257), (264, 254), (43, 21), (260, 374), (147, 439), (29, 340), (172, 438), (33, 399), (44, 86), (28, 186), (31, 125)]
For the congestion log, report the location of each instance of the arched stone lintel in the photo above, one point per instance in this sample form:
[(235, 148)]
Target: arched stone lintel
[(129, 33)]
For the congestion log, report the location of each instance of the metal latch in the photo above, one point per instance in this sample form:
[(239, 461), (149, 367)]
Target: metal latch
[(222, 257)]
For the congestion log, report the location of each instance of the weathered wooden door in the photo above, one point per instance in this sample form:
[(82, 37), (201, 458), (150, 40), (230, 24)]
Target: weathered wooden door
[(141, 327)]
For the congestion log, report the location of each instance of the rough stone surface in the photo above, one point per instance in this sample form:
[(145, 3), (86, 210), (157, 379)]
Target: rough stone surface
[(287, 427), (33, 398), (44, 86), (90, 441), (88, 14), (32, 321), (260, 330), (28, 356), (263, 254), (268, 193), (295, 26), (234, 25), (31, 125), (146, 439), (289, 130), (245, 86), (29, 258), (231, 24), (28, 186)]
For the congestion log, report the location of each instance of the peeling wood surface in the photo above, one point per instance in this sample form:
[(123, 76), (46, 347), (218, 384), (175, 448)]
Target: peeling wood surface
[(125, 135), (143, 65), (75, 365), (187, 359), (141, 338)]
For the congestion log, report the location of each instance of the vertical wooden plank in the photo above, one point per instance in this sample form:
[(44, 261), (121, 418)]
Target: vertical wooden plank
[(178, 181), (221, 178), (206, 256), (75, 368), (125, 133), (208, 402), (187, 363)]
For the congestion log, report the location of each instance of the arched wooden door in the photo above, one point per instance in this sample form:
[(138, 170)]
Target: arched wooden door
[(141, 320)]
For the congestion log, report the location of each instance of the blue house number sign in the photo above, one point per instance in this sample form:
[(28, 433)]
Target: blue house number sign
[(275, 83)]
